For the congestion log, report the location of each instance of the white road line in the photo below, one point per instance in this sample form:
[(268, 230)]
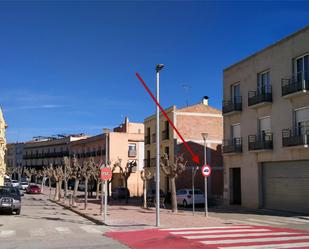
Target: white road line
[(90, 229), (287, 220), (274, 246), (247, 222), (37, 232), (234, 241), (222, 231), (303, 219), (266, 221), (63, 230), (197, 228), (7, 233), (237, 235)]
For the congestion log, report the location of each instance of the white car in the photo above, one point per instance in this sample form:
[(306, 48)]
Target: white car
[(24, 185), (185, 197), (15, 183)]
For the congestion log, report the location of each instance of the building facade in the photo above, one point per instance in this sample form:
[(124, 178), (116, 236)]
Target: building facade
[(125, 143), (266, 127), (3, 126), (14, 158), (191, 122)]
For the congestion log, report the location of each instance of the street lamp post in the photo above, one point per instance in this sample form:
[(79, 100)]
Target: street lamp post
[(104, 184), (159, 67), (205, 136)]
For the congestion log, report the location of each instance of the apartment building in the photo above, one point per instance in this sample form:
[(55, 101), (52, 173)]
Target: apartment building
[(266, 127), (43, 151), (191, 122), (125, 142), (14, 157), (3, 126)]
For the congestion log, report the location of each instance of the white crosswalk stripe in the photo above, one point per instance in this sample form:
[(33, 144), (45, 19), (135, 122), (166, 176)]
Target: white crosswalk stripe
[(221, 231), (276, 246), (266, 221), (7, 233), (90, 229), (37, 232), (64, 230), (199, 228)]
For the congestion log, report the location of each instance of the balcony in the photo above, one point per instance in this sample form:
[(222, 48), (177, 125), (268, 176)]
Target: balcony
[(297, 85), (150, 162), (260, 98), (165, 135), (260, 142), (147, 139), (132, 153), (295, 137), (232, 145), (231, 106)]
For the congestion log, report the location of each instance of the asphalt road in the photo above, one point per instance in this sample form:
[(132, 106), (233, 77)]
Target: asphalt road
[(43, 224)]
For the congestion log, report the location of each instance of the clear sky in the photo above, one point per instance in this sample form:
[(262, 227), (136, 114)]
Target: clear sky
[(69, 67)]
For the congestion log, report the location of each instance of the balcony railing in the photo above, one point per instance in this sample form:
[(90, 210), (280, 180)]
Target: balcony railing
[(132, 153), (150, 162), (232, 105), (257, 97), (295, 136), (297, 83), (232, 145), (165, 135), (260, 141), (147, 139)]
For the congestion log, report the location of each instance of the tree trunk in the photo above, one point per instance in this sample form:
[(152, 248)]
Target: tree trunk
[(125, 185), (145, 193), (86, 192), (57, 191), (49, 183), (98, 190), (42, 185), (173, 195), (75, 191), (65, 187)]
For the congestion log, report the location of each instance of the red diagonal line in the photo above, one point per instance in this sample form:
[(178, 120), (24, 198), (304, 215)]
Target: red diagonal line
[(195, 157)]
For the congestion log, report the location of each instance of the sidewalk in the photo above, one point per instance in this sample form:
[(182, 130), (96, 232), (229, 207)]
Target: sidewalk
[(132, 216)]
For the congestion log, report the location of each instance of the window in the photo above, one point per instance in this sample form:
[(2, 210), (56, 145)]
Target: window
[(132, 146), (301, 68), (264, 83), (302, 121), (235, 93), (236, 131)]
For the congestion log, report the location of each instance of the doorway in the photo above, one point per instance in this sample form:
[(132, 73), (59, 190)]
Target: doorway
[(235, 186)]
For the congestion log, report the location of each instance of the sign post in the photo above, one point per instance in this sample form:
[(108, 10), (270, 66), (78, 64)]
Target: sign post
[(106, 174), (206, 171)]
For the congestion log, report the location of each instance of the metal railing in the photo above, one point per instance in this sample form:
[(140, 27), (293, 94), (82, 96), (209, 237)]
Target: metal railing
[(262, 141), (234, 104), (296, 83), (260, 96), (232, 145), (295, 136)]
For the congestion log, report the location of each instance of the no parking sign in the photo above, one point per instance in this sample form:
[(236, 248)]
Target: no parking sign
[(206, 170)]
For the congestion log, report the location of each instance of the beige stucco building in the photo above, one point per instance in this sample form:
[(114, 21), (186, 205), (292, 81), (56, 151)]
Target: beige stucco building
[(125, 142), (266, 127), (191, 122), (3, 126)]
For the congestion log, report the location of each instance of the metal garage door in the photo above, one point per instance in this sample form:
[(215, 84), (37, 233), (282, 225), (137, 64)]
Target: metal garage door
[(286, 186)]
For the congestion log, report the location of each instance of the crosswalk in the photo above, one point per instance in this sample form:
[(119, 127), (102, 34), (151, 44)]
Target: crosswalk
[(243, 237), (43, 232)]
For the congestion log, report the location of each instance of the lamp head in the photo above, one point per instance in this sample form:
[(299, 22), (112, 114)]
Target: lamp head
[(205, 136), (159, 67)]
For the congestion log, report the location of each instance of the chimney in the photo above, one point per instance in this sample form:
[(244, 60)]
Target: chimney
[(205, 100)]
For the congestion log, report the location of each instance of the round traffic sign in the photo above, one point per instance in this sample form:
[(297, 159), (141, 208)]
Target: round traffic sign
[(106, 174), (206, 170)]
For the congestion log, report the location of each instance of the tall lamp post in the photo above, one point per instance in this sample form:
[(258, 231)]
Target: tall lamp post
[(159, 67), (104, 184), (205, 136)]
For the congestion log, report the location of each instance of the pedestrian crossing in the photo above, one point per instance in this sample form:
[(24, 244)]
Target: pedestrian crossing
[(243, 237), (42, 232)]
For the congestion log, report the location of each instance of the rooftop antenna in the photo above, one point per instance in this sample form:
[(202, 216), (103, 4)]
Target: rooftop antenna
[(186, 88)]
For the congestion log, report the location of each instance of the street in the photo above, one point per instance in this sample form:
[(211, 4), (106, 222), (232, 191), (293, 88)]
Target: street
[(43, 224)]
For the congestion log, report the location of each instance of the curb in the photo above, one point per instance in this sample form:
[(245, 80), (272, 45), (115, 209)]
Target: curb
[(98, 222)]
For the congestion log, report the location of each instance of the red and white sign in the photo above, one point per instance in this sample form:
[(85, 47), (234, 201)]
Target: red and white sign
[(106, 174), (206, 170)]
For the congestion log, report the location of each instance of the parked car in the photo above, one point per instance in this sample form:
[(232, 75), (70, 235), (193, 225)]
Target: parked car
[(185, 197), (15, 184), (10, 200), (82, 186), (23, 185), (33, 189), (120, 193), (7, 182)]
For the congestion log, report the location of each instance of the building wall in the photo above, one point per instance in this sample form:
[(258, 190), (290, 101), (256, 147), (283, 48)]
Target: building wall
[(3, 126), (277, 58)]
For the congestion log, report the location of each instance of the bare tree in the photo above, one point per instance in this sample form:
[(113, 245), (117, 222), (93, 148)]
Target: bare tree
[(172, 170), (67, 173), (146, 175), (29, 172), (48, 172), (57, 174), (86, 173), (75, 174), (96, 176)]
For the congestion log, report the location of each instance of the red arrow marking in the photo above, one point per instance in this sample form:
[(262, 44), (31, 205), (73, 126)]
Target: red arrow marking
[(195, 158)]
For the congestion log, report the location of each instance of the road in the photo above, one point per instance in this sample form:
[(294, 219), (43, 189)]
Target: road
[(43, 224)]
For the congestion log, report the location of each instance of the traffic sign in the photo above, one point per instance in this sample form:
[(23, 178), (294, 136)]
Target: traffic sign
[(206, 170), (106, 174)]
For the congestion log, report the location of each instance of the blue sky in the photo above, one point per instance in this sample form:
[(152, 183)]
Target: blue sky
[(68, 67)]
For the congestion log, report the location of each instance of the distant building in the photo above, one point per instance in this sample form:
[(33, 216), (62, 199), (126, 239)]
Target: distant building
[(191, 122), (266, 127), (3, 126), (14, 157), (125, 142)]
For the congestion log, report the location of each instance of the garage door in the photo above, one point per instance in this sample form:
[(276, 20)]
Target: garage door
[(286, 186)]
